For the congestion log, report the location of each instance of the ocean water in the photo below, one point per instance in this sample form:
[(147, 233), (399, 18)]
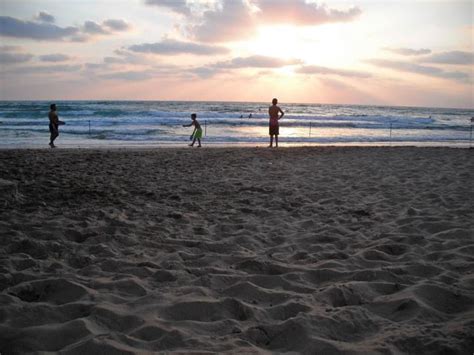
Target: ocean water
[(150, 123)]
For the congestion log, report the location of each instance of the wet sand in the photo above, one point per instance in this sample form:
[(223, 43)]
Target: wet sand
[(313, 250)]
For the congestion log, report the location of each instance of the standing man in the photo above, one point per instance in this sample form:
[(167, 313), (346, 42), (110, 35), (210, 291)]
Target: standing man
[(53, 125), (274, 113)]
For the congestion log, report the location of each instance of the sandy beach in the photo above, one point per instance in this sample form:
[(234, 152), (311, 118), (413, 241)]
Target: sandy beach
[(316, 250)]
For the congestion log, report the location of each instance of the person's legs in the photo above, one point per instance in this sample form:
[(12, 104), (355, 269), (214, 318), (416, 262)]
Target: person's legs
[(276, 140), (54, 135), (194, 141), (199, 141), (271, 141)]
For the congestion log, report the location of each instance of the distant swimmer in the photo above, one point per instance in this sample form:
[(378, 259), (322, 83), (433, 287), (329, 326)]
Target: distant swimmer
[(54, 124), (274, 112), (250, 116), (197, 133)]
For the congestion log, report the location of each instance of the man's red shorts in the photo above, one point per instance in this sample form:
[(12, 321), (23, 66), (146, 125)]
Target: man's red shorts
[(274, 130)]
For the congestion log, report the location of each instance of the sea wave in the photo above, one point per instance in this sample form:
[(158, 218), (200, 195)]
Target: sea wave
[(143, 121)]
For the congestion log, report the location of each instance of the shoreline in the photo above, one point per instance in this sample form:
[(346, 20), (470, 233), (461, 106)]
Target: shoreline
[(282, 145)]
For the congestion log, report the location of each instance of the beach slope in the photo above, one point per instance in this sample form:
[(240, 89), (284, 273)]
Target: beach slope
[(310, 250)]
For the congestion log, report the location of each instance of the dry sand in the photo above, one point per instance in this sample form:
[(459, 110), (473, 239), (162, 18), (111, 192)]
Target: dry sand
[(252, 250)]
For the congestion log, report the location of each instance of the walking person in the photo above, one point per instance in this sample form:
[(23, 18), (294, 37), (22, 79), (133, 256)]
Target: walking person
[(197, 133), (275, 114), (54, 123)]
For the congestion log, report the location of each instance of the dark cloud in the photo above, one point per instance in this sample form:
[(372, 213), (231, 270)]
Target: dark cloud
[(14, 58), (116, 24), (419, 69), (128, 75), (300, 12), (93, 28), (54, 57), (178, 6), (173, 47), (204, 72), (114, 60), (12, 27), (95, 66), (454, 57), (46, 69), (43, 16), (314, 69), (409, 51), (13, 55)]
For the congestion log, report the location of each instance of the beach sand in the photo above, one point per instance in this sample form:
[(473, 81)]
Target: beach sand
[(243, 250)]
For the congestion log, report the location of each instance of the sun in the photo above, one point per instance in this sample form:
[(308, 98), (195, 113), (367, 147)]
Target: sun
[(328, 45), (278, 41)]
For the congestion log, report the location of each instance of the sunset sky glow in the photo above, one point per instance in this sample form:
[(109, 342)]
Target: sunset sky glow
[(418, 53)]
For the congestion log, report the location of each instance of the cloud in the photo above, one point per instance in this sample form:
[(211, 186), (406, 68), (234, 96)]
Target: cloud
[(233, 20), (122, 58), (13, 55), (12, 27), (419, 69), (173, 47), (9, 48), (178, 6), (14, 58), (314, 69), (54, 57), (114, 60), (44, 31), (46, 69), (128, 75), (409, 51), (117, 25), (454, 57), (43, 16), (95, 66), (93, 28), (302, 13), (126, 57), (204, 72), (256, 61), (239, 19), (107, 26)]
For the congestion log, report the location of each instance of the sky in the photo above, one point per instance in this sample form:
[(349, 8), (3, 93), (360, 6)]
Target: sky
[(404, 53)]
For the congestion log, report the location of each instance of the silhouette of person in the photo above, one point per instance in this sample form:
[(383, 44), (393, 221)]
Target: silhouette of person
[(250, 116), (274, 129), (53, 125), (197, 133)]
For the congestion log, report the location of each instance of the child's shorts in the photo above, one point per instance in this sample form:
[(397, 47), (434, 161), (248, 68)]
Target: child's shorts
[(198, 134)]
